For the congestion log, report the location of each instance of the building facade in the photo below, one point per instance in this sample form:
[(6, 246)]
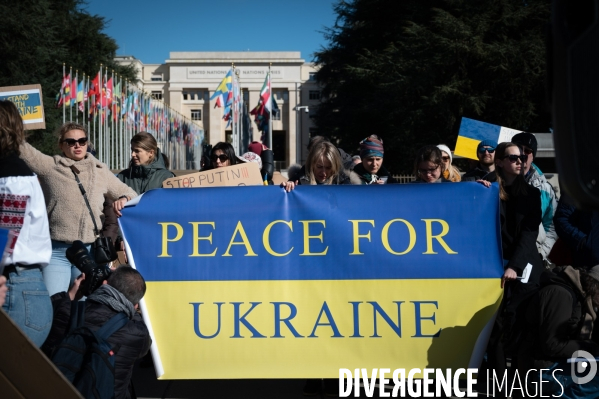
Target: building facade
[(187, 80)]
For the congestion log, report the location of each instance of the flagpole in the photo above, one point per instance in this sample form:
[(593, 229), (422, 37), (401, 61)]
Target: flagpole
[(62, 94), (269, 108)]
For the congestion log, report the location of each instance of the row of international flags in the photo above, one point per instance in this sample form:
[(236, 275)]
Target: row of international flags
[(114, 110)]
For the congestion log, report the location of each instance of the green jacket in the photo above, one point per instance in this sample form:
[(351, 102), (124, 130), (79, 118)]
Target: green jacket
[(146, 177)]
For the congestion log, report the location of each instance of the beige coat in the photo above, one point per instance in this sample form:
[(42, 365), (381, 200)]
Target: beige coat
[(67, 213)]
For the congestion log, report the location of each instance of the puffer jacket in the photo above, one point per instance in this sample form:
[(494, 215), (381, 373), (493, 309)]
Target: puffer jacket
[(548, 206), (142, 178), (129, 343), (558, 321), (68, 215)]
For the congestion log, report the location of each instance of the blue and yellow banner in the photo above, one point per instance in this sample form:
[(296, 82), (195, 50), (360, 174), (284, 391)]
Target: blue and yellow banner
[(253, 282)]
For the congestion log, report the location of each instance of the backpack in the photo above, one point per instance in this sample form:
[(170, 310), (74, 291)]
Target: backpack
[(85, 357)]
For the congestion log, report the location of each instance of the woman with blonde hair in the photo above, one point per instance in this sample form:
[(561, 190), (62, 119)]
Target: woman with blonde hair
[(65, 180), (323, 167), (450, 172), (147, 168)]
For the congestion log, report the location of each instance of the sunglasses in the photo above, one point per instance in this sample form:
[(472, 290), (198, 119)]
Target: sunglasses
[(527, 151), (489, 150), (71, 142), (514, 158), (221, 157), (445, 159)]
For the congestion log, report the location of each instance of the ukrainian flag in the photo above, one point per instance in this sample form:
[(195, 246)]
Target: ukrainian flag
[(473, 132)]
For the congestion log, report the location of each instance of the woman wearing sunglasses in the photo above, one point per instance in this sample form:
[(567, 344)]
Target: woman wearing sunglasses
[(520, 214), (68, 214), (147, 169), (428, 165), (223, 155)]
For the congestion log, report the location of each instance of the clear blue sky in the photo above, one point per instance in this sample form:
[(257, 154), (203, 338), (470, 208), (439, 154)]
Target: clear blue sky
[(149, 30)]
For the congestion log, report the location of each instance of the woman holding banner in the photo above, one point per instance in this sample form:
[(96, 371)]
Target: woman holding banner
[(70, 219), (147, 168), (520, 213), (323, 167), (428, 165)]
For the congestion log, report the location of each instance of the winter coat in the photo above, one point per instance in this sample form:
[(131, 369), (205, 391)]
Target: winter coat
[(579, 229), (129, 343), (479, 174), (558, 321), (548, 206), (519, 231), (142, 178), (359, 175), (68, 215)]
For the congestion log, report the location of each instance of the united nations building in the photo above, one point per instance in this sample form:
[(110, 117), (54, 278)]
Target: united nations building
[(186, 81)]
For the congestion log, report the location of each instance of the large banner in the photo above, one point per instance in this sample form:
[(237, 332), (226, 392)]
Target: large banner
[(253, 282)]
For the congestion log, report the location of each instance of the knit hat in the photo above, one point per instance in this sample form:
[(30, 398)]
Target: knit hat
[(527, 139), (489, 143), (371, 147), (255, 147), (446, 149), (252, 157)]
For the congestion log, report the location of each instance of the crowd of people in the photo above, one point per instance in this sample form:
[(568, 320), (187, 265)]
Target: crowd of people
[(72, 196)]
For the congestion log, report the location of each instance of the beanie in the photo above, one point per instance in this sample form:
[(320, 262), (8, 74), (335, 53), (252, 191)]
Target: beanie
[(446, 149), (371, 147)]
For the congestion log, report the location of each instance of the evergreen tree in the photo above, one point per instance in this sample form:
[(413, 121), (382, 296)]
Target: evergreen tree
[(408, 71), (37, 37)]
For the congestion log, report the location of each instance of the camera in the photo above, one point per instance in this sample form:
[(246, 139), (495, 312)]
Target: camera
[(95, 274)]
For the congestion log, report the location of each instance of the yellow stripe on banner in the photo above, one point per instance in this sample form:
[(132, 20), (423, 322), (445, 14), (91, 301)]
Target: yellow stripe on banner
[(466, 147), (249, 347)]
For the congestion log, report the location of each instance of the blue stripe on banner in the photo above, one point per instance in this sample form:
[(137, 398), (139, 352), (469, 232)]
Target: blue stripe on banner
[(479, 130), (411, 231)]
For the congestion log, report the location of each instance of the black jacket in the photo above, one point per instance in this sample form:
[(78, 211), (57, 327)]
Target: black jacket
[(130, 343), (554, 321), (479, 174), (520, 219), (580, 231)]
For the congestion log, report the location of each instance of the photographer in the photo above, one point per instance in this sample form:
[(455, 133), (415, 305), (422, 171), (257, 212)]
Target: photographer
[(120, 293)]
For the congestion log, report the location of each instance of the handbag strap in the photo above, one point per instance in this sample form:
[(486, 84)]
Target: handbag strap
[(76, 172)]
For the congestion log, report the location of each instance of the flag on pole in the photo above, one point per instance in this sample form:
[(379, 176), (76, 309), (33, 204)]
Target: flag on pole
[(67, 91), (64, 88), (81, 95), (223, 93), (262, 111), (74, 91)]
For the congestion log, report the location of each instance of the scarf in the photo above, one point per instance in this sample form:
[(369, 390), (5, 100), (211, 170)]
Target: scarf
[(114, 299)]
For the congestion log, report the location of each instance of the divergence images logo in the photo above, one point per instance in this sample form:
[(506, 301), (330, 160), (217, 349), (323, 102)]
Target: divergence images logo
[(582, 362)]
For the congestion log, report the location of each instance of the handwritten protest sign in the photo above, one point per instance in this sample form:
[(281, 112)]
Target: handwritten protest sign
[(28, 100), (245, 174)]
